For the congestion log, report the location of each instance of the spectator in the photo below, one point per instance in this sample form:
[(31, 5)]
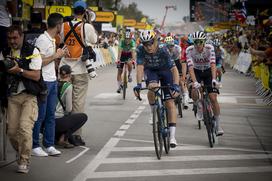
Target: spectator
[(22, 110), (46, 44), (79, 78), (67, 123), (7, 7)]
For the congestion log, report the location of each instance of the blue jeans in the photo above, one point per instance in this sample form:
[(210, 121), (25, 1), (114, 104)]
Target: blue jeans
[(47, 116)]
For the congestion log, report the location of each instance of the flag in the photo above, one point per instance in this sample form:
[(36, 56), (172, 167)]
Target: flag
[(241, 14)]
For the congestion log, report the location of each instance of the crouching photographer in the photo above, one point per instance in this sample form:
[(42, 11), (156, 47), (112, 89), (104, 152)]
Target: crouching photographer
[(21, 64)]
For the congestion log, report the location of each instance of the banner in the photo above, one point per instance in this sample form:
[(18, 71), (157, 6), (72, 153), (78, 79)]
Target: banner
[(243, 62)]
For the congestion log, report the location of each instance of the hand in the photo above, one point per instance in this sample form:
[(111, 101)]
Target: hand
[(60, 53), (137, 89), (214, 83), (175, 90), (15, 69), (196, 85)]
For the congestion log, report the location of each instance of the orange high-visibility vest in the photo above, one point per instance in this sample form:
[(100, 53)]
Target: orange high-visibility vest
[(73, 45)]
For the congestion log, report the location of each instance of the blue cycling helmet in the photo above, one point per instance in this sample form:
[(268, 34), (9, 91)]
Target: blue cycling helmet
[(80, 3)]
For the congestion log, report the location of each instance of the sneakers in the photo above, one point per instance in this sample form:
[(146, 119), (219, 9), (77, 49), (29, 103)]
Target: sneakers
[(185, 100), (173, 142), (76, 140), (39, 152), (23, 169), (119, 89), (129, 78), (52, 151), (219, 131)]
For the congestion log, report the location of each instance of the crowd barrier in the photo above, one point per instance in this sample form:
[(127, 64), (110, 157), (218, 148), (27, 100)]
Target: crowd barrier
[(105, 56), (244, 63)]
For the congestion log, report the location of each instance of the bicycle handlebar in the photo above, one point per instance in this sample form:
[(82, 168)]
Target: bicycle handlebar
[(146, 88)]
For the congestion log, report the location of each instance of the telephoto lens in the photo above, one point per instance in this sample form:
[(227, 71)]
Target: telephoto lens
[(90, 69)]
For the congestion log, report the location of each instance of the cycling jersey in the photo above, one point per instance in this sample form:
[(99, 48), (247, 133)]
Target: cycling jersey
[(219, 56), (200, 60), (175, 54), (127, 49), (160, 60)]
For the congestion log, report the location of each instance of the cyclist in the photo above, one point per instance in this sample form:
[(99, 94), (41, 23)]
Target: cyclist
[(175, 53), (219, 59), (155, 62), (201, 63), (126, 53)]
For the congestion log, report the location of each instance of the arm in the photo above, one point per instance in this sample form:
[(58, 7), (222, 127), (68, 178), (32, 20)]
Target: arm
[(60, 53), (175, 75), (29, 74), (213, 62), (257, 52), (90, 34), (140, 73), (184, 69)]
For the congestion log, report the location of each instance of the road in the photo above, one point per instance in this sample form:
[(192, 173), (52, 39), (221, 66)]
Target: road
[(119, 144)]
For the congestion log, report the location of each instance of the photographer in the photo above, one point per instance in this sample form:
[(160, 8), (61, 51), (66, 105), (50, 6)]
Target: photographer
[(22, 63), (77, 59)]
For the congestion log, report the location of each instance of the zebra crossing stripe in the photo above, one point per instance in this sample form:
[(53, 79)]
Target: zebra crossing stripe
[(180, 172)]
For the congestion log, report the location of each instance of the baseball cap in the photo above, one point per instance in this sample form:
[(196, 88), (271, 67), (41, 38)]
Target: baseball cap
[(80, 3), (65, 69)]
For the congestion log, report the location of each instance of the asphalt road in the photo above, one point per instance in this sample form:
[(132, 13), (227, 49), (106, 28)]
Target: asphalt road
[(119, 144)]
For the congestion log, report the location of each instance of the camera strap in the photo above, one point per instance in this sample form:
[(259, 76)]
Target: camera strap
[(72, 30)]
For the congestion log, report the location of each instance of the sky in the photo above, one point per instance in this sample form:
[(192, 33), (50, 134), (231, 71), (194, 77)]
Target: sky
[(155, 9)]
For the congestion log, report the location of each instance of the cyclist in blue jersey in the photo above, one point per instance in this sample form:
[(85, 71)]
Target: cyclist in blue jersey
[(219, 59), (156, 64)]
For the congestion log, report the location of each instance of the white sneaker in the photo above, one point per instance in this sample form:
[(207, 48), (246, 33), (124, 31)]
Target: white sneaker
[(185, 100), (39, 152), (52, 151), (219, 131), (23, 169), (173, 142)]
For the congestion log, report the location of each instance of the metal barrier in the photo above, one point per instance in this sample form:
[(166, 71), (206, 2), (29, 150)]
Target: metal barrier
[(2, 135)]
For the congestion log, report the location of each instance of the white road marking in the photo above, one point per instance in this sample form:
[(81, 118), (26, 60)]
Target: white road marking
[(92, 166), (188, 158), (194, 171), (134, 116), (119, 133), (134, 140), (78, 155), (124, 126), (225, 99), (130, 121), (141, 107), (107, 95)]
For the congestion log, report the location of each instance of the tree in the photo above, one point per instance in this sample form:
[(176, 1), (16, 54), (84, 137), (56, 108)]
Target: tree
[(131, 12)]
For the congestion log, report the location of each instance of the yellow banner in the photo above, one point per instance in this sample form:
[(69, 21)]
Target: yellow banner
[(102, 16), (265, 76), (119, 20), (26, 12), (63, 10), (148, 27), (129, 22), (140, 25), (29, 2), (94, 8)]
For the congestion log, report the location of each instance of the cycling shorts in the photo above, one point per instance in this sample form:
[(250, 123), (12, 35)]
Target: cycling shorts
[(206, 77), (125, 56), (163, 76)]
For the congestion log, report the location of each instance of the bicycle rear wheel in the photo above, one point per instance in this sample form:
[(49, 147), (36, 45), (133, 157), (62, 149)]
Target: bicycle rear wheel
[(125, 80), (157, 136), (166, 133)]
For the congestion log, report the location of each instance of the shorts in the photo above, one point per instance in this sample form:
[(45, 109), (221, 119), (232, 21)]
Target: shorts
[(164, 76), (206, 77), (125, 57)]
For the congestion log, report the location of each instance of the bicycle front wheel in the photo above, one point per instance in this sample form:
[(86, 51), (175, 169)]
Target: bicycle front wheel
[(157, 136), (125, 80), (209, 128), (166, 133)]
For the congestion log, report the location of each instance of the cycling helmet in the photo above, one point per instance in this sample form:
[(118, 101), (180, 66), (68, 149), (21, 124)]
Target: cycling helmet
[(200, 35), (216, 43), (147, 35), (169, 40)]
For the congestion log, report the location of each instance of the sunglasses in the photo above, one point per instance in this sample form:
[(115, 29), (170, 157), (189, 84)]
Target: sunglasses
[(199, 42), (149, 43)]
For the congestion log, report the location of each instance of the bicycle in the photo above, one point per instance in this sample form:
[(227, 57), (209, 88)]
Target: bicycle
[(124, 84), (208, 117), (179, 105), (161, 131)]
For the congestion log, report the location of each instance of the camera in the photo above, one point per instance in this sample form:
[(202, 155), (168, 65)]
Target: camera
[(90, 69), (7, 64)]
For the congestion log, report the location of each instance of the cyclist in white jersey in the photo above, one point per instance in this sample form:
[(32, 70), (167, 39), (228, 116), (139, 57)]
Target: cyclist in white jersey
[(201, 62)]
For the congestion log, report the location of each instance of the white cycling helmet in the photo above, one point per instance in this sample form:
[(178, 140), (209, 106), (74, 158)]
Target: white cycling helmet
[(209, 41), (147, 35), (128, 34), (199, 35)]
